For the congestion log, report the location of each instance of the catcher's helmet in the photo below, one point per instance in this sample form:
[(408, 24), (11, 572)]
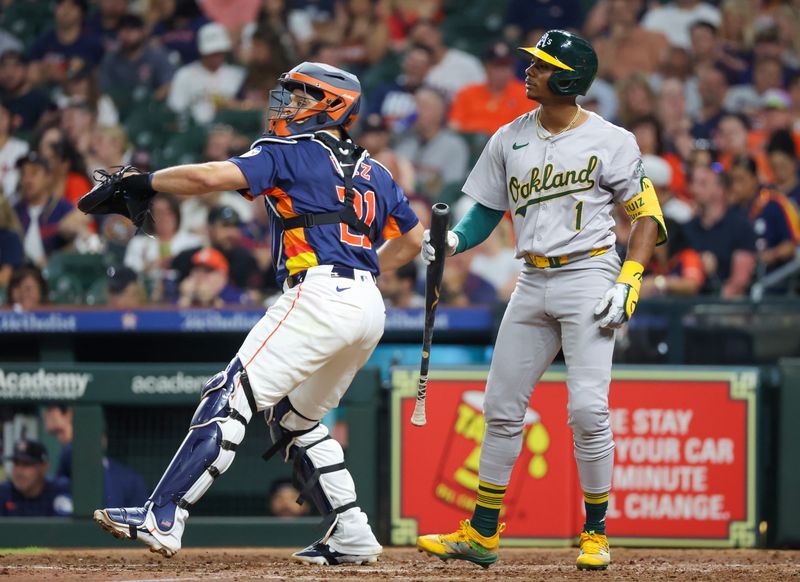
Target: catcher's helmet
[(572, 54), (332, 99)]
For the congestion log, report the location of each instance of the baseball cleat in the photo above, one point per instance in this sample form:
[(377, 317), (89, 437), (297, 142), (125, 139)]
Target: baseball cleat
[(465, 544), (321, 553), (595, 554), (130, 523)]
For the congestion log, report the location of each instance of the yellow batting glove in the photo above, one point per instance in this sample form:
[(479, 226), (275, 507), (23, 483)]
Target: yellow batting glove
[(621, 299)]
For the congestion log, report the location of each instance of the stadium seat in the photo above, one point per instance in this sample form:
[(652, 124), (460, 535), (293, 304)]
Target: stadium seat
[(97, 293), (184, 147), (476, 143), (83, 269), (246, 122), (149, 124), (65, 289)]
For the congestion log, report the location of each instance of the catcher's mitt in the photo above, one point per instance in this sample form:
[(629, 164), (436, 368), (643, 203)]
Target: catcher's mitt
[(116, 193)]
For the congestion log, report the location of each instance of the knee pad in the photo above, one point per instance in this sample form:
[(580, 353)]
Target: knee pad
[(319, 471), (216, 430)]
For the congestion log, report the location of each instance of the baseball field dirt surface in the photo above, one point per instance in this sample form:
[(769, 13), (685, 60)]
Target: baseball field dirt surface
[(396, 564)]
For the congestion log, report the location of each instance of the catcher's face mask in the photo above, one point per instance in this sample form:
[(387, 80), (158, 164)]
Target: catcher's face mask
[(303, 104)]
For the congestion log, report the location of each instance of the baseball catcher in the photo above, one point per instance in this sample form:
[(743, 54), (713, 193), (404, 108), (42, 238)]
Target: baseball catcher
[(337, 219)]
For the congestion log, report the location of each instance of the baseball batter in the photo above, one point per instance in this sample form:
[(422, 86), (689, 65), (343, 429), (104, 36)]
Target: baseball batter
[(559, 170), (337, 218)]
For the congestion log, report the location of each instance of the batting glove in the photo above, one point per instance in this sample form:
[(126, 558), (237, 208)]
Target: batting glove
[(621, 299), (428, 253)]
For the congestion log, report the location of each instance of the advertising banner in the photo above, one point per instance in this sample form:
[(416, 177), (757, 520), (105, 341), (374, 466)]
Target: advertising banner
[(684, 459)]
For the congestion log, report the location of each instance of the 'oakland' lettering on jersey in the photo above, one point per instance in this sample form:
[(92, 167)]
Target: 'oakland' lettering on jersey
[(548, 181)]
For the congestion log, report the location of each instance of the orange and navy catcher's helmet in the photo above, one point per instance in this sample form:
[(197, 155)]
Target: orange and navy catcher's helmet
[(331, 98)]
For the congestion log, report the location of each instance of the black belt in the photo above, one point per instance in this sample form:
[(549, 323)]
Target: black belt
[(343, 272)]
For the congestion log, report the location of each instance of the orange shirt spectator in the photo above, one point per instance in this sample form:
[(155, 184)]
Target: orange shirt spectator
[(485, 107)]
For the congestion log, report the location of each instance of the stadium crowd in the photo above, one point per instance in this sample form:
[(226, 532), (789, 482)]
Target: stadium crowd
[(710, 90)]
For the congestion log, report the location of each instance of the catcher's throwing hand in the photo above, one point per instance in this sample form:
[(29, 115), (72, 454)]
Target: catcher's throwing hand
[(428, 253), (127, 192)]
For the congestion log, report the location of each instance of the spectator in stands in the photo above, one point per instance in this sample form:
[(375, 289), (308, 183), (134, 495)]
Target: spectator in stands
[(177, 29), (399, 287), (110, 149), (708, 50), (69, 179), (675, 269), (522, 16), (49, 223), (722, 235), (746, 98), (485, 107), (376, 139), (80, 86), (628, 47), (496, 261), (124, 290), (730, 138), (673, 115), (461, 287), (27, 289), (660, 173), (282, 500), (773, 217), (650, 137), (453, 69), (30, 492), (11, 149), (225, 236), (9, 42), (767, 44), (773, 115), (53, 53), (794, 93), (79, 121), (221, 144), (362, 34), (636, 98), (200, 88), (150, 255), (136, 66), (11, 253), (674, 19), (121, 484), (22, 98), (208, 284), (293, 29), (395, 100), (266, 60), (782, 154), (439, 155), (713, 88), (104, 23)]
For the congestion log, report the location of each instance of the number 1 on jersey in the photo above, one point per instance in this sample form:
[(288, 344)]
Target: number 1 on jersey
[(367, 215), (578, 215)]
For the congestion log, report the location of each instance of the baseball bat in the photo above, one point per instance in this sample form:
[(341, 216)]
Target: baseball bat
[(433, 283)]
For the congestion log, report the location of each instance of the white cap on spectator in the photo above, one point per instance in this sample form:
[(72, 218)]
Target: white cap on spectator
[(657, 169), (213, 38)]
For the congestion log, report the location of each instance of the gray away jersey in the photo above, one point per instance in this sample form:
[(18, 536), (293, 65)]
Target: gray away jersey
[(560, 191)]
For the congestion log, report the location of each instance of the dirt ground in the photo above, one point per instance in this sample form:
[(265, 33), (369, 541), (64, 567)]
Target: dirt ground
[(396, 564)]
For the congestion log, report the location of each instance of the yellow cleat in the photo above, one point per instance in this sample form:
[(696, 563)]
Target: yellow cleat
[(465, 544), (595, 554)]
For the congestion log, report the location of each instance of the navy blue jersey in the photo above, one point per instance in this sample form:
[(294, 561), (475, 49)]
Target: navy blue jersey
[(54, 500), (299, 175)]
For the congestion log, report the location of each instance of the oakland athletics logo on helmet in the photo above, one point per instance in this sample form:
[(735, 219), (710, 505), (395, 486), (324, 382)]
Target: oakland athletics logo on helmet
[(572, 55)]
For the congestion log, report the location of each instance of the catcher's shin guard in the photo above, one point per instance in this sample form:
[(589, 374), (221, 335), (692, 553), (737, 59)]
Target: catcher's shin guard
[(322, 478), (217, 428)]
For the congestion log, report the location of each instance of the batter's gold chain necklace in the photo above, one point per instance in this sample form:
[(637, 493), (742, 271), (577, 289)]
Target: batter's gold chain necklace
[(552, 135)]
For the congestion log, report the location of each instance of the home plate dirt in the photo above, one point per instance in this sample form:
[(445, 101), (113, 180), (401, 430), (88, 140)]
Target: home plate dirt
[(396, 564)]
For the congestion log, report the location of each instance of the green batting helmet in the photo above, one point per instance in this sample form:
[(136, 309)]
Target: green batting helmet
[(572, 54)]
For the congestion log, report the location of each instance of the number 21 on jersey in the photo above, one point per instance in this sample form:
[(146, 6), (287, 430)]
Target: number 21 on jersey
[(367, 214)]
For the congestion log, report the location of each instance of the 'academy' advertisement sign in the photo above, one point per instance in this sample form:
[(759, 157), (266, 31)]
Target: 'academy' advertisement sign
[(684, 460)]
